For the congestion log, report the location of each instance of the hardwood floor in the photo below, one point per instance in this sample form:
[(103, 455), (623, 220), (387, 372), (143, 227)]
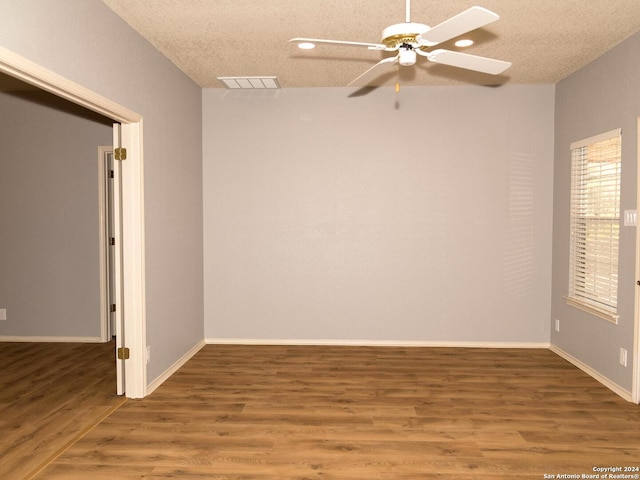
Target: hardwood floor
[(279, 412), (50, 394)]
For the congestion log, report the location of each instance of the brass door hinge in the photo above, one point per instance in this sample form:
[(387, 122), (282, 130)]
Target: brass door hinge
[(123, 353), (120, 153)]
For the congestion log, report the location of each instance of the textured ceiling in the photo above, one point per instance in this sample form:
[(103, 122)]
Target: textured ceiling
[(545, 40)]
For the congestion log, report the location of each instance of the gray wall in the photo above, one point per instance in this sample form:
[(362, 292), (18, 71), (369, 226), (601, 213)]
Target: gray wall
[(87, 43), (600, 97), (336, 218), (50, 282)]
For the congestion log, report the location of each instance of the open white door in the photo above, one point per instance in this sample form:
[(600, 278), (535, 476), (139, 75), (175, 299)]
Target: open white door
[(133, 314), (116, 255)]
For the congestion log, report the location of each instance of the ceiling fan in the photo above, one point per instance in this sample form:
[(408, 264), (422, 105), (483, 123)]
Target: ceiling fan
[(410, 39)]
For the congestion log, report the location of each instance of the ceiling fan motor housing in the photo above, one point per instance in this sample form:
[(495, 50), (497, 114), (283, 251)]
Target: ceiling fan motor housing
[(395, 35)]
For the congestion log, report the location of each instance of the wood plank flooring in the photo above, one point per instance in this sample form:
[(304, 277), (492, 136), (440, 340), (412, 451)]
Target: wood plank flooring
[(362, 413), (50, 394)]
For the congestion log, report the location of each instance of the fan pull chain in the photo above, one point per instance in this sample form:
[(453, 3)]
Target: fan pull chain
[(397, 87)]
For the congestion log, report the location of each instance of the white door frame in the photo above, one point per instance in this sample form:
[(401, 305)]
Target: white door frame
[(133, 197)]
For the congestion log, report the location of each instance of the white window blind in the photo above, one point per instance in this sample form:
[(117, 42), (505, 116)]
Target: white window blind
[(595, 224)]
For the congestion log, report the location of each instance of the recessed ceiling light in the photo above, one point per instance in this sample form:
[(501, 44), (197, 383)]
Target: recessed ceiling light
[(465, 42), (306, 45)]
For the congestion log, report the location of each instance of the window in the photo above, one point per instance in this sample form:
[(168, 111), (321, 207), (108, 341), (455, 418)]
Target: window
[(595, 225)]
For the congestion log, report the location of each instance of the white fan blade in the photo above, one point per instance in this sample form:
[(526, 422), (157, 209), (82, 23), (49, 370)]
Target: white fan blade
[(383, 66), (470, 62), (370, 46), (470, 19)]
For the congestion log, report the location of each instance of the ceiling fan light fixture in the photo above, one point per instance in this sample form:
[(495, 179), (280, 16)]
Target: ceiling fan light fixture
[(406, 57), (306, 45)]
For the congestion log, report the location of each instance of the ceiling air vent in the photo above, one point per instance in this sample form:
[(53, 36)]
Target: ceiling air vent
[(250, 82)]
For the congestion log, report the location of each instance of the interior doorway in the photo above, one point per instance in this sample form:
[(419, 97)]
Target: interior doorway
[(133, 288)]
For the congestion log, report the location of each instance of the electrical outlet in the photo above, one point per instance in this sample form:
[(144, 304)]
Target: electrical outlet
[(557, 325), (3, 313), (148, 353), (623, 357), (630, 218)]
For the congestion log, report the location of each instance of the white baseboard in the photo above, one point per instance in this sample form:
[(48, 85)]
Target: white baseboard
[(592, 373), (373, 343), (39, 339), (174, 368)]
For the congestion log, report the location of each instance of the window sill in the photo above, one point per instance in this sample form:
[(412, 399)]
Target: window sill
[(605, 315)]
